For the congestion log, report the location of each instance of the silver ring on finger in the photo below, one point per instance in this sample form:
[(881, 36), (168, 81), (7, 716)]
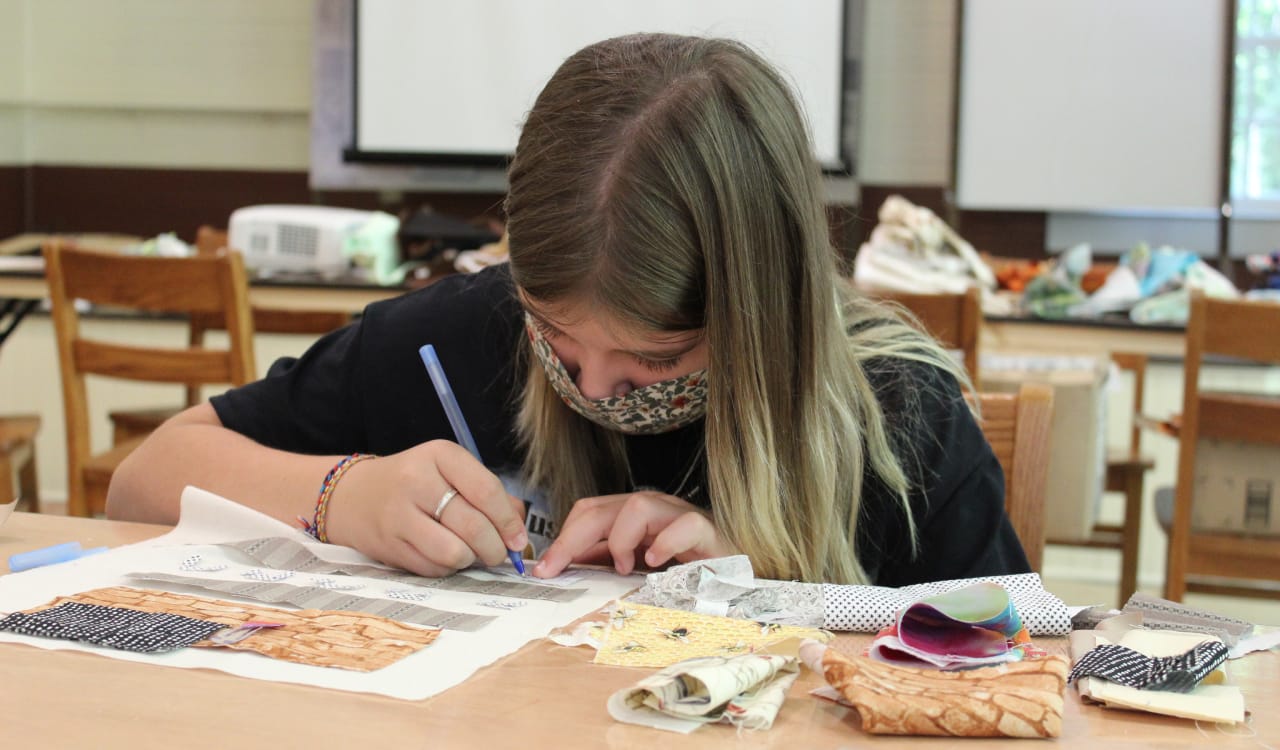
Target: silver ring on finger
[(443, 502)]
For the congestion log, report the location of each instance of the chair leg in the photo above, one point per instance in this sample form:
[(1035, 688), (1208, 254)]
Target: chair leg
[(6, 479), (28, 485), (1132, 535), (77, 504)]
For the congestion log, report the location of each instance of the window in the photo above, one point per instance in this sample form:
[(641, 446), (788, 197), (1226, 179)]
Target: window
[(1255, 136)]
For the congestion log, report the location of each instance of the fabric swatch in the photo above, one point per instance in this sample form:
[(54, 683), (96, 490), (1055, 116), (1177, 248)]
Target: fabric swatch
[(727, 586), (315, 597), (1211, 700), (1125, 666), (1162, 614), (112, 627), (746, 691), (279, 553), (1018, 699), (641, 636), (870, 608), (345, 640), (972, 626)]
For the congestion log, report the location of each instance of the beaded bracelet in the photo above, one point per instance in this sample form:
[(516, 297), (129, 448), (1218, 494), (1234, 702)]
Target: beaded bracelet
[(317, 526)]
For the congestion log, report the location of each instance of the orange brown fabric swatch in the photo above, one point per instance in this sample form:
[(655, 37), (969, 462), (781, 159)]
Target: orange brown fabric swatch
[(1018, 699)]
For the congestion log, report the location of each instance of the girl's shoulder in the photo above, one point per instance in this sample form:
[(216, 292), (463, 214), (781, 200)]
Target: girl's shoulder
[(908, 388), (456, 294), (473, 317)]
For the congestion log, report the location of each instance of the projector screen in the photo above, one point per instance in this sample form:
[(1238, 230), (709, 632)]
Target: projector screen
[(1091, 105), (449, 83)]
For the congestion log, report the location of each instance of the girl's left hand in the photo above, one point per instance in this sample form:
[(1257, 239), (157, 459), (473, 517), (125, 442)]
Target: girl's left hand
[(617, 526)]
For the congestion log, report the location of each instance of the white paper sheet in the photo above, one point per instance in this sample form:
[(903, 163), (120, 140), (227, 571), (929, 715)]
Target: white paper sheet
[(208, 519)]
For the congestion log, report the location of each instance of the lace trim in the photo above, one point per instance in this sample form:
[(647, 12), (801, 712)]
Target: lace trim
[(727, 586)]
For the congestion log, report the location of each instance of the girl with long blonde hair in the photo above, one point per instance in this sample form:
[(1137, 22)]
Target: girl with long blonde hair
[(670, 368)]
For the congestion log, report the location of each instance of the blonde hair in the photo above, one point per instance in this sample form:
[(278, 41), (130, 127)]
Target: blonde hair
[(669, 182)]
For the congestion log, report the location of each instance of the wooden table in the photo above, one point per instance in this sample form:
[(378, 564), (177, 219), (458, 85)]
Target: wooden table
[(281, 292), (542, 696)]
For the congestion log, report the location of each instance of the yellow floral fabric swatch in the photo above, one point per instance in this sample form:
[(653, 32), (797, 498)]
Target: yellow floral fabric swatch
[(637, 635)]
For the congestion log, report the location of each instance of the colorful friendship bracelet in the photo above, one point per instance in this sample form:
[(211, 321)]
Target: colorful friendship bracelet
[(317, 527)]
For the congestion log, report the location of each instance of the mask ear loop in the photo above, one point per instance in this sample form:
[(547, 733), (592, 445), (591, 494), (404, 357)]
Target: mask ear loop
[(698, 458)]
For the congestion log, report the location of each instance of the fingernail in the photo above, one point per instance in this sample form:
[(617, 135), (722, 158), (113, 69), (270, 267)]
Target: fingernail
[(540, 569), (520, 541), (649, 559)]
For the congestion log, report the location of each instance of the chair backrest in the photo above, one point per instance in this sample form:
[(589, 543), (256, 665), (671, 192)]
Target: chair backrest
[(1017, 427), (953, 319), (1240, 330), (200, 285), (209, 240)]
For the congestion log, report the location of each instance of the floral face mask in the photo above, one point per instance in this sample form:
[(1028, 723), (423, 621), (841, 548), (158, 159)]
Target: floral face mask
[(656, 408)]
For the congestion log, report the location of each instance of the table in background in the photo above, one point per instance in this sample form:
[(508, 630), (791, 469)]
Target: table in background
[(541, 696), (1085, 338), (1097, 338), (275, 293)]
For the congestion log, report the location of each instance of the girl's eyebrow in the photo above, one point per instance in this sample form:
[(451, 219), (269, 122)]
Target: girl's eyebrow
[(684, 346)]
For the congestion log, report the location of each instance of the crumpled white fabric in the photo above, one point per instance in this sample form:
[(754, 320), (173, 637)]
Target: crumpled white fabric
[(912, 250), (746, 690)]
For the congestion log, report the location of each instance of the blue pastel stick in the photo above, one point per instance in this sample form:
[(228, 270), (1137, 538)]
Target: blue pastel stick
[(50, 555)]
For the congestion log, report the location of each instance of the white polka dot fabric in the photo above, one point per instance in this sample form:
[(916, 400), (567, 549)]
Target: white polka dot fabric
[(867, 609)]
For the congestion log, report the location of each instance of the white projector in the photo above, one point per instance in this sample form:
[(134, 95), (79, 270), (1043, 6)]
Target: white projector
[(310, 239)]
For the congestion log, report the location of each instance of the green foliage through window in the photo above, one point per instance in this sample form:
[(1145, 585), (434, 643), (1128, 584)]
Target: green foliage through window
[(1255, 132)]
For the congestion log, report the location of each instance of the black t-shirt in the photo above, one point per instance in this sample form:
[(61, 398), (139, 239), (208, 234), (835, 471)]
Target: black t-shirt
[(364, 389)]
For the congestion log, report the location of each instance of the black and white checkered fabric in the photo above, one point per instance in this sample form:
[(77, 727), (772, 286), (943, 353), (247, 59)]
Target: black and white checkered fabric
[(113, 627), (1125, 666)]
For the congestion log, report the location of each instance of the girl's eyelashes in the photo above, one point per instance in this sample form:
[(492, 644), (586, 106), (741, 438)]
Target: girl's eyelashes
[(545, 329), (655, 365), (658, 365)]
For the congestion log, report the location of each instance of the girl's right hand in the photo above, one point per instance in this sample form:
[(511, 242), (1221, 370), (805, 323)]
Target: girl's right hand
[(385, 507)]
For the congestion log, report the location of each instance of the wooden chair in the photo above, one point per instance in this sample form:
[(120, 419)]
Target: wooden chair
[(952, 319), (18, 433), (18, 462), (1017, 427), (1220, 562), (1126, 474), (210, 241), (185, 285)]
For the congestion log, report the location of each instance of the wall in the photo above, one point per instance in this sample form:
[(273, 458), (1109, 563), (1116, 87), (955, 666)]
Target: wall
[(167, 83), (205, 105), (904, 131)]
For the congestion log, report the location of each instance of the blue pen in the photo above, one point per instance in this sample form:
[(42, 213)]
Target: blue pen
[(456, 420)]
